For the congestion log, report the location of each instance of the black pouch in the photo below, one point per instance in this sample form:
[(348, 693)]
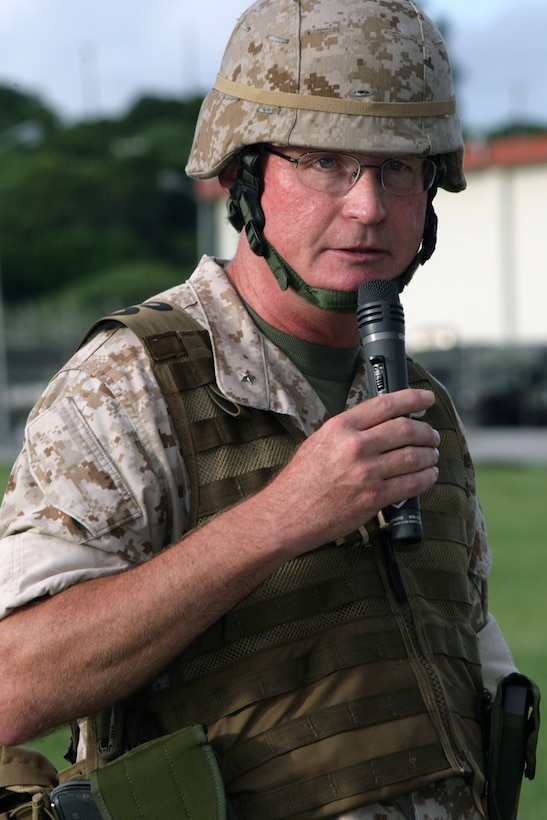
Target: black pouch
[(73, 800), (172, 776), (513, 728)]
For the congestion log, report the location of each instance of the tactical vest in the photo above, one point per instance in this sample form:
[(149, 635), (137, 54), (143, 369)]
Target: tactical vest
[(352, 674)]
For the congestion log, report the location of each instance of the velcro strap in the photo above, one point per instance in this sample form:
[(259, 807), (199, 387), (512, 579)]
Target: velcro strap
[(219, 430), (225, 492), (335, 105), (173, 776)]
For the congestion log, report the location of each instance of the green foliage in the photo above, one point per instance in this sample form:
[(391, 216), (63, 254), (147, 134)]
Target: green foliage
[(4, 474), (45, 333), (94, 195), (111, 289), (54, 746), (513, 500), (519, 129), (17, 107)]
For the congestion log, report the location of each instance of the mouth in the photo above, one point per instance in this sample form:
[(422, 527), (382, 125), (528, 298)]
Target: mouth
[(361, 251)]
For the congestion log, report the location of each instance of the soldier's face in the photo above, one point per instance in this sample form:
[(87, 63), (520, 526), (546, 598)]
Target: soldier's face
[(340, 241)]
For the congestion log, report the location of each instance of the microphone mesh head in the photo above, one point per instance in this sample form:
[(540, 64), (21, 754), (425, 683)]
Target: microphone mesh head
[(378, 290)]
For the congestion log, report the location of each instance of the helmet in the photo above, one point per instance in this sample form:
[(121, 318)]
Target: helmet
[(357, 76)]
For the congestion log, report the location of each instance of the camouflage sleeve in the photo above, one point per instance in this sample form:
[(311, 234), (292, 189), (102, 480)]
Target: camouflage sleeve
[(480, 561), (99, 485), (496, 657)]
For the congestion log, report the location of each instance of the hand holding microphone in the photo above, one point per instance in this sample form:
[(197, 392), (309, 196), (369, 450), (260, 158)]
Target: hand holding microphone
[(381, 323)]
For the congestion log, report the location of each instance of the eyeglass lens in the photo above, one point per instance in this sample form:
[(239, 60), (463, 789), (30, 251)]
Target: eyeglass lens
[(337, 173)]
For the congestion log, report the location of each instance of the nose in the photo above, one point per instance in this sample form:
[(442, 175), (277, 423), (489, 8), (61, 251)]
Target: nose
[(365, 200)]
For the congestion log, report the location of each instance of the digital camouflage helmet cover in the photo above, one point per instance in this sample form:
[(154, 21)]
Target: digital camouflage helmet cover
[(356, 76)]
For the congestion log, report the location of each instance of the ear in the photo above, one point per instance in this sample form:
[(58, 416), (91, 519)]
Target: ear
[(228, 175)]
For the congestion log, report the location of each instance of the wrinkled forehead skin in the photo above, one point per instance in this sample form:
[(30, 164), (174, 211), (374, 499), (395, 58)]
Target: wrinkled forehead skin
[(332, 74)]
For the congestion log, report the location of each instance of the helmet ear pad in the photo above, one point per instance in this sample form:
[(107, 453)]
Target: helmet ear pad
[(244, 208), (428, 244), (429, 239)]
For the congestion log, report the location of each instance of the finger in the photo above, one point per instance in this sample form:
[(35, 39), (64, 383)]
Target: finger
[(391, 405), (409, 460), (404, 432), (400, 488)]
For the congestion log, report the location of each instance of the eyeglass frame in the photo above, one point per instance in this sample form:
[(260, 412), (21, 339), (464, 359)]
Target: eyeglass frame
[(379, 170)]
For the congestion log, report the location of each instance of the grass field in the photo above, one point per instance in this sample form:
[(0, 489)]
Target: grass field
[(514, 500)]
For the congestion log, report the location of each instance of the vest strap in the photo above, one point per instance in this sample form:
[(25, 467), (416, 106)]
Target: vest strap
[(363, 778), (377, 710)]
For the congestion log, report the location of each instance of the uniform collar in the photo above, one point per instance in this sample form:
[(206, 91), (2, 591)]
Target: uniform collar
[(249, 368)]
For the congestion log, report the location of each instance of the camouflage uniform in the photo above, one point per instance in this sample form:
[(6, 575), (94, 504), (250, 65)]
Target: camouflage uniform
[(95, 489)]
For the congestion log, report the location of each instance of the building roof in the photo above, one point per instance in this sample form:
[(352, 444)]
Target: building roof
[(525, 149)]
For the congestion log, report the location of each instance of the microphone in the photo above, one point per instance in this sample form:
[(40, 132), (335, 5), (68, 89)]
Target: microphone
[(381, 321)]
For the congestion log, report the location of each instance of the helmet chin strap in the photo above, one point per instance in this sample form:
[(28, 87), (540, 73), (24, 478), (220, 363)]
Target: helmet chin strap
[(245, 212), (340, 301)]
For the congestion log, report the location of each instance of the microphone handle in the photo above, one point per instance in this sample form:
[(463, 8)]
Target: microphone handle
[(385, 359)]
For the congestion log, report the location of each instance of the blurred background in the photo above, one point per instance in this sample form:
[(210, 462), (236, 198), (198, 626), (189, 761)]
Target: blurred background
[(97, 108)]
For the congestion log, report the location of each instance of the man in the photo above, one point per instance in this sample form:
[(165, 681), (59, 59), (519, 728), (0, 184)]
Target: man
[(338, 677)]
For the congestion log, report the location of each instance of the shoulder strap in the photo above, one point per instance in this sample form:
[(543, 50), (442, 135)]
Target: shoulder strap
[(148, 318), (169, 332), (230, 452), (216, 435)]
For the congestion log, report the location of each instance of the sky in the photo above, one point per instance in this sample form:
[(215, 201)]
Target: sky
[(88, 59)]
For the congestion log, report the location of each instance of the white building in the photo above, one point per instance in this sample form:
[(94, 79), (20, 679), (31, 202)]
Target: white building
[(487, 281)]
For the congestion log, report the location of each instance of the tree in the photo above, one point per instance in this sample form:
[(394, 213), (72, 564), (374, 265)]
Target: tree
[(16, 107), (96, 195)]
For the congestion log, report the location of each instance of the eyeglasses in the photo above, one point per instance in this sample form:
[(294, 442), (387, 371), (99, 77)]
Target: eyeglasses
[(333, 173)]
